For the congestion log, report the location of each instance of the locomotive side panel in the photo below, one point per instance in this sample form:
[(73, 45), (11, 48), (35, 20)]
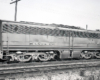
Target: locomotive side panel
[(26, 41), (86, 43), (13, 39), (79, 42), (94, 43)]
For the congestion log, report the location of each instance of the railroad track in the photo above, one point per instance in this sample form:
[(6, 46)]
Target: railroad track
[(11, 69), (46, 63)]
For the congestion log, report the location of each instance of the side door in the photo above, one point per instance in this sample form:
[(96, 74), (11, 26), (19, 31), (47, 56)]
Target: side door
[(71, 39)]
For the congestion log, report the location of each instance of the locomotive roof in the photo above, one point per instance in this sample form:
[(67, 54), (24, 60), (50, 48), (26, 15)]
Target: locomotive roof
[(48, 26)]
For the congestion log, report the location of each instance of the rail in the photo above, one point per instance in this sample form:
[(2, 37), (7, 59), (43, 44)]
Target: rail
[(47, 67)]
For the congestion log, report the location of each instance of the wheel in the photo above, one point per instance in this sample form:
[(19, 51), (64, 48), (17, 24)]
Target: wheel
[(97, 55), (24, 58), (86, 55), (44, 57)]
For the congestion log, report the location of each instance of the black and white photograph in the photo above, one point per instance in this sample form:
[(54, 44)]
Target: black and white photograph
[(49, 39)]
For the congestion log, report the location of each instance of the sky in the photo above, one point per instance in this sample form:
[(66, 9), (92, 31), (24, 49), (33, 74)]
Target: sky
[(68, 12)]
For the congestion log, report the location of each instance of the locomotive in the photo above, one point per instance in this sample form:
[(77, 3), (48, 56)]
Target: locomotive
[(24, 42)]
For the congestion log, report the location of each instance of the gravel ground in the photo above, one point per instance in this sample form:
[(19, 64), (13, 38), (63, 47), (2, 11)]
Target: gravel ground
[(92, 73)]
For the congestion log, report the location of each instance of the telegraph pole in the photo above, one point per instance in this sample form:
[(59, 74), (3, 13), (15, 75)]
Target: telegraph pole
[(16, 1), (86, 27)]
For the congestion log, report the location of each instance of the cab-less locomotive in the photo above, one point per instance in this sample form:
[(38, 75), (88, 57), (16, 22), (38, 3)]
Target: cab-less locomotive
[(25, 42)]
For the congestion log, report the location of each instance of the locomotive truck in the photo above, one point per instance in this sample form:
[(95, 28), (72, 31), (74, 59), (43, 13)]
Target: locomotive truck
[(25, 42)]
